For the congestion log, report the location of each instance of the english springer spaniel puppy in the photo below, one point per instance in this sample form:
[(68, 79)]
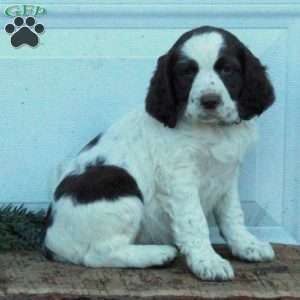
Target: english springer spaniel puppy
[(142, 190)]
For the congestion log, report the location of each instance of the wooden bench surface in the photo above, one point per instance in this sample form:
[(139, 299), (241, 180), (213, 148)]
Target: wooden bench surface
[(27, 275)]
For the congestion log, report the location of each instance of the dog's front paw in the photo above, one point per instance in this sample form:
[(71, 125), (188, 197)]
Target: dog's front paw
[(254, 250), (211, 267)]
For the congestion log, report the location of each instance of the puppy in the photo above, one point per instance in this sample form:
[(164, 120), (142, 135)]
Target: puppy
[(143, 189)]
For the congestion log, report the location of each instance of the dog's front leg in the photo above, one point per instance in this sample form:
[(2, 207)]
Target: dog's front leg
[(230, 218), (191, 234)]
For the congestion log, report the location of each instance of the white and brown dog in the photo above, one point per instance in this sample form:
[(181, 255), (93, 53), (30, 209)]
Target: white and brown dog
[(144, 188)]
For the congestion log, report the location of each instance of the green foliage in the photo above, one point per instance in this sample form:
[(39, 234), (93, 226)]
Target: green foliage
[(20, 229)]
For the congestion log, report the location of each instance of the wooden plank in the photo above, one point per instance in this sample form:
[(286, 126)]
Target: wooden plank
[(27, 275)]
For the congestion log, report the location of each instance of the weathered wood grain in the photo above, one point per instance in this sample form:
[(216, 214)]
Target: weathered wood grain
[(27, 275)]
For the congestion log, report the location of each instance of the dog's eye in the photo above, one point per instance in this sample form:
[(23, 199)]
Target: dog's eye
[(187, 69), (227, 70)]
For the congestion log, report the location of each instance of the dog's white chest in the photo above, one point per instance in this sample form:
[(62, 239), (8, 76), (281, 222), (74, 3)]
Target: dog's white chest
[(210, 159), (216, 166)]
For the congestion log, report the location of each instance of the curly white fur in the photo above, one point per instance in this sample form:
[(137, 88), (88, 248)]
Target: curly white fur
[(183, 173)]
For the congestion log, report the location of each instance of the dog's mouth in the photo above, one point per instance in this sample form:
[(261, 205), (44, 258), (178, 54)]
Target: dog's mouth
[(215, 117)]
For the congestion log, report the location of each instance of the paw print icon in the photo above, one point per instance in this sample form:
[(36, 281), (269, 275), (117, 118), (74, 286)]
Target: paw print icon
[(24, 31)]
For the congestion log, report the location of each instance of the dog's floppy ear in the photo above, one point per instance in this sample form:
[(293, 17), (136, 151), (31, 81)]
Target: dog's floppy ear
[(160, 100), (258, 93)]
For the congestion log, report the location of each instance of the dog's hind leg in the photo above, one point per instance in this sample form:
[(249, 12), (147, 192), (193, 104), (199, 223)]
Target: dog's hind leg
[(102, 234), (129, 255)]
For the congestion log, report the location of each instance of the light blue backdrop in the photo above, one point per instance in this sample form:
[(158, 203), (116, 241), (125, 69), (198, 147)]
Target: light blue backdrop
[(93, 65)]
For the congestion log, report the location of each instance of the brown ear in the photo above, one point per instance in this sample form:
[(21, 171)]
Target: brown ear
[(258, 93), (160, 101)]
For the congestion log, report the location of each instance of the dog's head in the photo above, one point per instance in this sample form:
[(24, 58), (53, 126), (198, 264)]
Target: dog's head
[(208, 76)]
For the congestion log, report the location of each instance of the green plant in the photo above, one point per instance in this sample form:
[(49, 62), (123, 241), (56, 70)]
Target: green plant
[(20, 229)]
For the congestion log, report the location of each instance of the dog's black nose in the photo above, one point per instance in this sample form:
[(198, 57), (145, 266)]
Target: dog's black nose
[(210, 101)]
